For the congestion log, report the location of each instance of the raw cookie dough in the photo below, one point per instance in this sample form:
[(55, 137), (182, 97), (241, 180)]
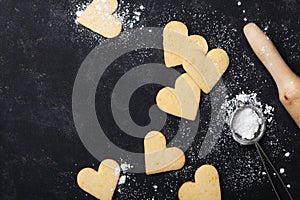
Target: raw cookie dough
[(220, 60), (183, 101), (206, 186), (159, 158), (204, 68), (99, 18), (102, 183), (171, 59)]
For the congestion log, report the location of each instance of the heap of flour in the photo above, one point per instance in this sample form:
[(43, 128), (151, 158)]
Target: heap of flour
[(246, 123)]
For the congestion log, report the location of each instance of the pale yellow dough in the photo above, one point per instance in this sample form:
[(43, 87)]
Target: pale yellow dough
[(159, 158), (183, 101), (206, 186), (171, 59), (102, 183), (204, 68), (98, 17), (220, 60)]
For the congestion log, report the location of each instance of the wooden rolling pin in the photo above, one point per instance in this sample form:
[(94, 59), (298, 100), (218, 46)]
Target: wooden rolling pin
[(288, 83)]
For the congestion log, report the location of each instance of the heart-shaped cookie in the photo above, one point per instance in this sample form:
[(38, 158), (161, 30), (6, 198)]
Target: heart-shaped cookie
[(206, 186), (172, 59), (102, 183), (98, 17), (171, 42), (159, 158), (204, 68), (220, 61), (183, 101)]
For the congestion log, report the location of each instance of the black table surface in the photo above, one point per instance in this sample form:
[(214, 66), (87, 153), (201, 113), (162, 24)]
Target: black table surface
[(41, 50)]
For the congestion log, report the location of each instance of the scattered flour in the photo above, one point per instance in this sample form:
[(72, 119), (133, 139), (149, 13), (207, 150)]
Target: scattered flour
[(155, 188), (117, 171), (124, 167), (79, 11), (287, 154), (129, 14), (122, 180)]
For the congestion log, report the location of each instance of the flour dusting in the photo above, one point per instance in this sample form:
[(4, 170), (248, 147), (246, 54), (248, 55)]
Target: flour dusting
[(242, 100)]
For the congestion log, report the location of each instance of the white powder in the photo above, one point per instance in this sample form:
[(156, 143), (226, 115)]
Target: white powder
[(243, 99), (281, 170), (125, 166), (287, 154), (129, 14), (122, 180), (79, 11), (78, 14), (239, 3), (246, 123), (117, 171), (266, 28)]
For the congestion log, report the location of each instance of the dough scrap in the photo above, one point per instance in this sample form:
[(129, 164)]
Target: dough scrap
[(159, 158), (98, 17), (102, 183)]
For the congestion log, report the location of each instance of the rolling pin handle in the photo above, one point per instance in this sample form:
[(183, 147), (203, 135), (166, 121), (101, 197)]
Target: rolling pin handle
[(288, 83)]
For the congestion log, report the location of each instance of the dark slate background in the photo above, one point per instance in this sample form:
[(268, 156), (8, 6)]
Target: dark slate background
[(41, 49)]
